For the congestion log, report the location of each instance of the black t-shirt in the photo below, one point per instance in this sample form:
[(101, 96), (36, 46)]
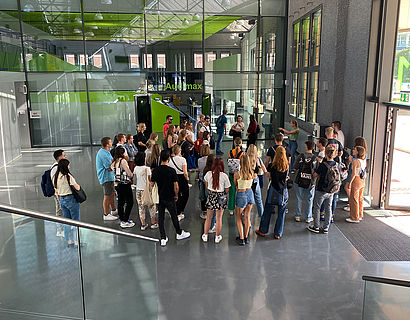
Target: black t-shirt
[(322, 172), (185, 148), (165, 177), (278, 179), (140, 137), (337, 145), (272, 151)]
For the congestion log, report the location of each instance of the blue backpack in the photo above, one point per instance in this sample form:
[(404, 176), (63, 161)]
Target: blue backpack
[(46, 183)]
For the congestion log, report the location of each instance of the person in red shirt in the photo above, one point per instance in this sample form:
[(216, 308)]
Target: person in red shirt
[(252, 131), (166, 125)]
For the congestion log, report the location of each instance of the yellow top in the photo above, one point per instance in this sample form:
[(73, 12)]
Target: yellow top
[(244, 184), (63, 189)]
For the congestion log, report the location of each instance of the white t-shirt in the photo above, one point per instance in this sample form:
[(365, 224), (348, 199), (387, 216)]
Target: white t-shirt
[(321, 154), (341, 137), (141, 174), (121, 145), (201, 166), (206, 128), (191, 134), (224, 182), (53, 169), (179, 162)]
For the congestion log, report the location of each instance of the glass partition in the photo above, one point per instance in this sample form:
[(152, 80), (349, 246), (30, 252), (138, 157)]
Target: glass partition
[(45, 278)]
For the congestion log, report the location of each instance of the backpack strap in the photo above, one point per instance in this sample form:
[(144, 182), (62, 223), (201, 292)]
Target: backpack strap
[(238, 155)]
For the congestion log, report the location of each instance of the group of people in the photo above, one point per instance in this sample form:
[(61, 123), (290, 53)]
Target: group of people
[(161, 179)]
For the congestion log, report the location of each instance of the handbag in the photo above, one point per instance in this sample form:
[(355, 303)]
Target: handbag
[(223, 200), (79, 195), (232, 132), (147, 195), (212, 143), (120, 175), (234, 165), (155, 195)]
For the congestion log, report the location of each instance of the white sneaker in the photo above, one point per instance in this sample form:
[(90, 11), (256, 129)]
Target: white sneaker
[(127, 224), (109, 217), (189, 185), (205, 238), (212, 230), (297, 219), (143, 228), (231, 212), (164, 242), (181, 216), (218, 239), (346, 208), (154, 226), (352, 221), (183, 235), (115, 212), (309, 220)]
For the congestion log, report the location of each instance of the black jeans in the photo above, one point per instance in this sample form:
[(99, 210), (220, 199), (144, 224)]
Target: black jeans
[(170, 205), (125, 197), (183, 194)]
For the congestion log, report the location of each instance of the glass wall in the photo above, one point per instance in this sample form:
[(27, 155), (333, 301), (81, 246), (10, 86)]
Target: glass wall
[(85, 60)]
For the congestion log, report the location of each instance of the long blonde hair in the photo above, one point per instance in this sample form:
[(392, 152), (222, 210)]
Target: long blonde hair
[(170, 131), (280, 161), (140, 126), (181, 136), (253, 155), (246, 171)]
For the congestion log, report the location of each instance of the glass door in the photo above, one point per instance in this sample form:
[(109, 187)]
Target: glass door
[(398, 174)]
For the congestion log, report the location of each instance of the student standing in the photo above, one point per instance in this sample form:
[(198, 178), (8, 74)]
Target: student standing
[(132, 150), (105, 176), (244, 198), (62, 180), (166, 125), (337, 126), (221, 130), (321, 144), (237, 129), (259, 168), (121, 143), (169, 140), (272, 150), (233, 166), (58, 155), (329, 183), (123, 178), (277, 194), (202, 161), (357, 185), (252, 131), (305, 166), (293, 140), (199, 126), (217, 183), (142, 175), (168, 190), (179, 164), (141, 138)]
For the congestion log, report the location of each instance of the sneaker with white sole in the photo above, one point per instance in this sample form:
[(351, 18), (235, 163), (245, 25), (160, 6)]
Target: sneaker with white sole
[(352, 221), (164, 242), (183, 235), (212, 230), (115, 212), (127, 224), (309, 220), (205, 237), (181, 216), (189, 185), (346, 208), (143, 228), (154, 226), (109, 217), (297, 219), (313, 229), (218, 239)]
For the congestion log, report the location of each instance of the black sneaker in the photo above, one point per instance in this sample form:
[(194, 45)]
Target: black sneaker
[(325, 231), (240, 241), (313, 229), (246, 240)]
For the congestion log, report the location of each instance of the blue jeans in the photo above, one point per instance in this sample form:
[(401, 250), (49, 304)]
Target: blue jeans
[(301, 193), (325, 199), (281, 200), (293, 146), (219, 141), (334, 203), (258, 197), (71, 210)]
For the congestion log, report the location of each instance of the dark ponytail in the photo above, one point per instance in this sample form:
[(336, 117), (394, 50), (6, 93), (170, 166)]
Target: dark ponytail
[(62, 168)]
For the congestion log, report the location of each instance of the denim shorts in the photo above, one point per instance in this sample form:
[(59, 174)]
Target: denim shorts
[(243, 198)]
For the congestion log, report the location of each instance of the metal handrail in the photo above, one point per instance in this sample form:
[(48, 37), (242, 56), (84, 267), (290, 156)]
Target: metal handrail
[(395, 282), (75, 223)]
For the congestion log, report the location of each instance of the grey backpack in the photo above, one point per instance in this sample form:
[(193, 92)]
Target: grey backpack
[(333, 179)]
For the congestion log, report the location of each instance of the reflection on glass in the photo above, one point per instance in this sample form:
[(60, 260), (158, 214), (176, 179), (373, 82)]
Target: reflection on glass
[(303, 95), (401, 76), (273, 37), (316, 29), (294, 103), (296, 45), (313, 92), (305, 41)]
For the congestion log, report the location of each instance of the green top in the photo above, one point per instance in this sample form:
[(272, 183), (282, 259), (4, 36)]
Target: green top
[(294, 136)]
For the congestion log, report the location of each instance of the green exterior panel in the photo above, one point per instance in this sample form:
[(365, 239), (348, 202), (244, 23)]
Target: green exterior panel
[(159, 112)]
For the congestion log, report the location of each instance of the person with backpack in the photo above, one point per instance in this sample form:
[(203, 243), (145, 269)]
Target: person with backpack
[(221, 130), (105, 176), (236, 129), (233, 166), (62, 182), (357, 185), (58, 155), (305, 166), (293, 140), (123, 178), (272, 150), (252, 132), (329, 182)]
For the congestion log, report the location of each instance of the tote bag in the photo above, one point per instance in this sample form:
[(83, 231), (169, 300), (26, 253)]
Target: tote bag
[(155, 196), (147, 195)]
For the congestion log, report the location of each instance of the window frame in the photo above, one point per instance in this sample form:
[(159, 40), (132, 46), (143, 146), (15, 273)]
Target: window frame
[(202, 60), (131, 56)]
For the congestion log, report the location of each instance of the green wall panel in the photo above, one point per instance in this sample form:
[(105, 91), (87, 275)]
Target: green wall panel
[(159, 112)]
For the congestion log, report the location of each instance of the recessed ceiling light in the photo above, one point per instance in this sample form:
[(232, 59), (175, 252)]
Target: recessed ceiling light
[(89, 34), (94, 27), (196, 17), (162, 33), (185, 22), (99, 16), (77, 31), (78, 20)]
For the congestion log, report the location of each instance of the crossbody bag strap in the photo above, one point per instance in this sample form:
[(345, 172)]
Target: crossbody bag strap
[(172, 159)]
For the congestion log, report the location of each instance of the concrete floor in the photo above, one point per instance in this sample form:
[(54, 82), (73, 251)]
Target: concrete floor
[(301, 276)]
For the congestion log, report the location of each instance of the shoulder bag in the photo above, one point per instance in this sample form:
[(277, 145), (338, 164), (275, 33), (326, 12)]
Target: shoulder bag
[(79, 195)]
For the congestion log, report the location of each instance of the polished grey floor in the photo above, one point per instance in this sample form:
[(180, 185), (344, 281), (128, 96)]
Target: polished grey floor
[(301, 276)]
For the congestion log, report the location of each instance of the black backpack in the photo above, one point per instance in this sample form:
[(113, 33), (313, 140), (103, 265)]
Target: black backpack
[(333, 179), (304, 176), (258, 129), (46, 183)]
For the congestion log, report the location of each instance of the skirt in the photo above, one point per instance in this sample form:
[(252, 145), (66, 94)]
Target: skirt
[(216, 200)]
